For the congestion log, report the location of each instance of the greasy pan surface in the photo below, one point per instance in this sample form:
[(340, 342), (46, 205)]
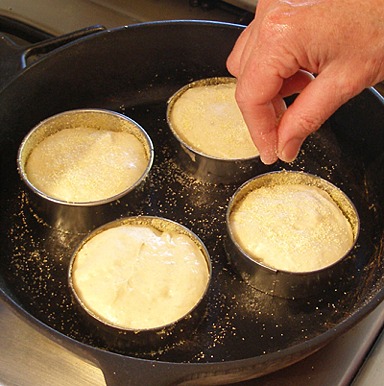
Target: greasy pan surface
[(245, 333)]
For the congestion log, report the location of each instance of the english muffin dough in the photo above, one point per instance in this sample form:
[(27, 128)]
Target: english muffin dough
[(138, 277), (297, 228), (208, 119), (85, 164)]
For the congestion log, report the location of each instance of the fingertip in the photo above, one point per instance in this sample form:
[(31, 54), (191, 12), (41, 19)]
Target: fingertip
[(290, 149), (262, 125), (268, 155), (313, 106)]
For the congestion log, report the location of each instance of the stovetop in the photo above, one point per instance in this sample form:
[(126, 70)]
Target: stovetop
[(29, 358), (58, 17)]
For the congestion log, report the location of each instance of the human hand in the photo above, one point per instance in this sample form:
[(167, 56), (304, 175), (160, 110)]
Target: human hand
[(342, 41)]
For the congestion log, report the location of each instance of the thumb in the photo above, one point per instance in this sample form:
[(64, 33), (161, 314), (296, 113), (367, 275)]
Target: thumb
[(314, 105)]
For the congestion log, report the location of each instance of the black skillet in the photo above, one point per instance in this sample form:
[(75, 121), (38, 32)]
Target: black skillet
[(245, 334)]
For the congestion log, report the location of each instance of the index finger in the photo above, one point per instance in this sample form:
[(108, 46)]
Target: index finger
[(257, 94)]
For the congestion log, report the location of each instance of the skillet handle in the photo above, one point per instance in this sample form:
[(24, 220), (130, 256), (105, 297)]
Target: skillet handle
[(14, 57), (129, 371), (34, 50)]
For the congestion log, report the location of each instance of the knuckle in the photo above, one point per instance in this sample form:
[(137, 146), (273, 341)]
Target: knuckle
[(243, 95), (309, 123), (348, 90), (232, 65), (275, 23)]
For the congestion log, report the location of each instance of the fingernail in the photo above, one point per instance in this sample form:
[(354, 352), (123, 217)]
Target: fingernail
[(268, 158), (291, 150)]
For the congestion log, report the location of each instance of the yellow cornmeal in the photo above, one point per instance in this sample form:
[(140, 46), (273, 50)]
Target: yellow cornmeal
[(85, 164), (136, 277), (208, 119), (296, 228)]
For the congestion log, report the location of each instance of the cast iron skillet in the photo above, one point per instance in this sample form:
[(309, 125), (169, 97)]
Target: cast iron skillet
[(245, 333)]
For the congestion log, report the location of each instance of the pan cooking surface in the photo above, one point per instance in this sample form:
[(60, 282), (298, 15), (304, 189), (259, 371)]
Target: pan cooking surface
[(240, 322)]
